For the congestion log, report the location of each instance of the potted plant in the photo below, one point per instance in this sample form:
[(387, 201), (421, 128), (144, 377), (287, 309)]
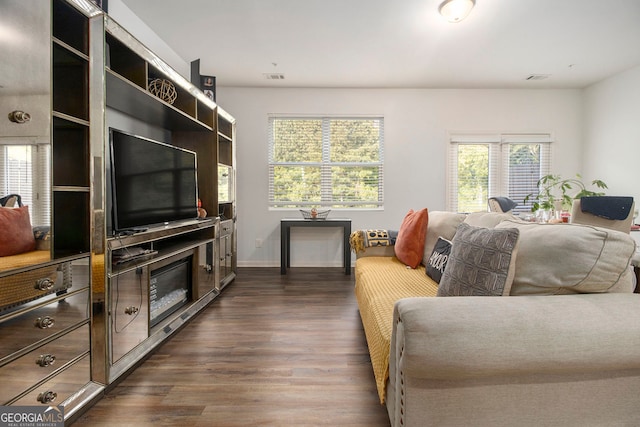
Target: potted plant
[(553, 192)]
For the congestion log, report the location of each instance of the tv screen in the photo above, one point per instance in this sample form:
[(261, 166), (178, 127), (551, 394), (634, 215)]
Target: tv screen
[(152, 182)]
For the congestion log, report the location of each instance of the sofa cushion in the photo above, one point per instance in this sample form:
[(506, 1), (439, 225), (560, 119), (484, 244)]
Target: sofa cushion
[(570, 258), (409, 245), (438, 259), (487, 219), (380, 283), (482, 262), (441, 224), (16, 235)]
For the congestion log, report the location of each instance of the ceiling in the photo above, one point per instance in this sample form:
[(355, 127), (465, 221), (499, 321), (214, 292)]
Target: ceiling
[(399, 44)]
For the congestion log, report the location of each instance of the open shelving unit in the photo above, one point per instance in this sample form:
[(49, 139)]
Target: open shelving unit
[(191, 121), (101, 316), (227, 197), (70, 135)]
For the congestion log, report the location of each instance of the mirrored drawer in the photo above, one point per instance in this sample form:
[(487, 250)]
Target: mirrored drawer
[(31, 327), (36, 365), (60, 387), (226, 227)]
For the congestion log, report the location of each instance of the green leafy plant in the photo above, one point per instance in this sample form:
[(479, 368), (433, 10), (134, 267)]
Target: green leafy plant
[(553, 188)]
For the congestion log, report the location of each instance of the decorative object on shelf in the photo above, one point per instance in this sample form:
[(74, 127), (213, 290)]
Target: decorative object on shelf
[(102, 4), (201, 212), (19, 117), (547, 199), (209, 86), (314, 213), (163, 89)]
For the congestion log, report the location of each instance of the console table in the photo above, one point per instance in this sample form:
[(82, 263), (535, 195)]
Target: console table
[(285, 238)]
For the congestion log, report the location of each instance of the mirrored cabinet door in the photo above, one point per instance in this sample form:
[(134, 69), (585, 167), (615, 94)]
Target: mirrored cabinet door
[(25, 132)]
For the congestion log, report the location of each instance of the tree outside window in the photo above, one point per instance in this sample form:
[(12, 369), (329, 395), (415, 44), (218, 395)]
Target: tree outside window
[(325, 162), (487, 166)]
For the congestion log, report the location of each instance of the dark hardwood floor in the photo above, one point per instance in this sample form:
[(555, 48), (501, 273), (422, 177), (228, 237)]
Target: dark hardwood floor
[(272, 350)]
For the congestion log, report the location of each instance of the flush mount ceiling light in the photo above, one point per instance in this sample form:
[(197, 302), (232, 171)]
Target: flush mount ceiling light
[(456, 10)]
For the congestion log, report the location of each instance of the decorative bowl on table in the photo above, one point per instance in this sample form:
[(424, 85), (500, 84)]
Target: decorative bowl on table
[(314, 213)]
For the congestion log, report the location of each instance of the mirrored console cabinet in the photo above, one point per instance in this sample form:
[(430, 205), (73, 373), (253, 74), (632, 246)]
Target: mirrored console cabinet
[(87, 291)]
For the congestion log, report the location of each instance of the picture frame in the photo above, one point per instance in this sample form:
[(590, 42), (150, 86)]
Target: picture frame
[(102, 4)]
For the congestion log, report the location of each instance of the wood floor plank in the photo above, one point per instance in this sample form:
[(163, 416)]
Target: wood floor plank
[(272, 350)]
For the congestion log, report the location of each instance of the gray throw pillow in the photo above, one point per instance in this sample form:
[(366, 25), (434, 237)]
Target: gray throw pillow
[(482, 262)]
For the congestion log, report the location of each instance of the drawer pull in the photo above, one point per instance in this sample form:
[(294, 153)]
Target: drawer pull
[(46, 360), (45, 322), (44, 284), (131, 310), (47, 397)]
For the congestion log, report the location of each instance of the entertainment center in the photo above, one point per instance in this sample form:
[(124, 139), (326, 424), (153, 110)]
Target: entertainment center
[(142, 218)]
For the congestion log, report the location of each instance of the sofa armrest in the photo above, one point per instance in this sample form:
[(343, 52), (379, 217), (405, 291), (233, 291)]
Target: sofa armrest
[(518, 335), (504, 352)]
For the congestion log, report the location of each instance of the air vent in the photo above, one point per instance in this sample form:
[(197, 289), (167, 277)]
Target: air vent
[(537, 76), (273, 76)]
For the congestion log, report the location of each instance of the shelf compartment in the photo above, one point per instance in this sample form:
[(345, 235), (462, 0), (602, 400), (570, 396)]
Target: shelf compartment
[(125, 62), (225, 152), (136, 102), (205, 114), (70, 83), (225, 127), (70, 151), (70, 26), (225, 211), (184, 101), (71, 229)]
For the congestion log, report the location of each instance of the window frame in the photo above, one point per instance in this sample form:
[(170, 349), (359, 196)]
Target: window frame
[(499, 156), (326, 165), (38, 181)]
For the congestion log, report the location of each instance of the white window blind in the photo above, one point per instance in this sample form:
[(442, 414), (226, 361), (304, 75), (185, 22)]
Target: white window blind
[(326, 162), (483, 166), (26, 171)]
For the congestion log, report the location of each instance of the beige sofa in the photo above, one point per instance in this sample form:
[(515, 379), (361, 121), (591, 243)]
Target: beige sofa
[(564, 351)]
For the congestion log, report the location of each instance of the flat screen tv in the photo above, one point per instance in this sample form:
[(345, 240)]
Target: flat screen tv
[(152, 183)]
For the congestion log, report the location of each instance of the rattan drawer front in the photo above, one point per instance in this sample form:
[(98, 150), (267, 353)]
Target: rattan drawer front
[(60, 387), (30, 285), (33, 367), (42, 322)]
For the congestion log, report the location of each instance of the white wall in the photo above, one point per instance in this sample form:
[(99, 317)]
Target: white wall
[(612, 133), (596, 132), (134, 25), (416, 125)]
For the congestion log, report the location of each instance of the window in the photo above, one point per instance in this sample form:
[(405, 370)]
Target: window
[(325, 162), (483, 166), (24, 170)]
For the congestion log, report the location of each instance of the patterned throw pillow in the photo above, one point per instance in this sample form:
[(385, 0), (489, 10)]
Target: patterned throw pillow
[(438, 259), (482, 262)]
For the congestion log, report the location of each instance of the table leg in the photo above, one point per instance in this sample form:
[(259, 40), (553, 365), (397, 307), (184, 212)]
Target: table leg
[(283, 249), (288, 239), (347, 249)]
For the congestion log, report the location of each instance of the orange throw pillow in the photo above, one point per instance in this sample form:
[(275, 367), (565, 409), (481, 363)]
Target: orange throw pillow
[(409, 245), (16, 236)]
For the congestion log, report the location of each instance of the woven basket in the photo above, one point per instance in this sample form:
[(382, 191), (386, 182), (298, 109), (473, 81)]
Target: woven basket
[(308, 214), (21, 288)]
